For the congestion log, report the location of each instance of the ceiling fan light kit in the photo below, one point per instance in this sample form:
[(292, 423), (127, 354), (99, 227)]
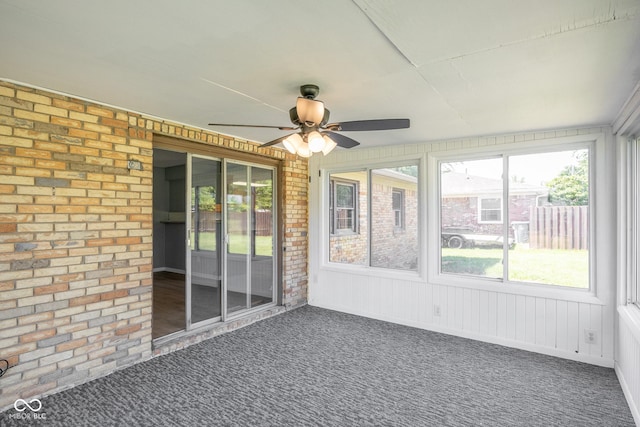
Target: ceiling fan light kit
[(304, 151), (329, 145), (315, 141), (292, 142), (310, 118)]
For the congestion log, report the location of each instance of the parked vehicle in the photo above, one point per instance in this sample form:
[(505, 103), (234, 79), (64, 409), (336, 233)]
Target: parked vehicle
[(465, 237)]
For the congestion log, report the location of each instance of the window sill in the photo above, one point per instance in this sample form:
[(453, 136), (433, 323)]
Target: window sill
[(537, 291), (363, 270), (533, 290), (630, 315)]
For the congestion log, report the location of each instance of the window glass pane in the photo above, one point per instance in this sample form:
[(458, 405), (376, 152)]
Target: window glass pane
[(491, 210), (204, 217), (348, 217), (491, 204), (345, 195), (397, 200), (262, 237), (345, 220), (471, 230), (394, 217), (398, 208), (549, 218)]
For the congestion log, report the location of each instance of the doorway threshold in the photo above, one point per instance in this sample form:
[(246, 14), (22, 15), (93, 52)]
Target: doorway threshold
[(183, 339)]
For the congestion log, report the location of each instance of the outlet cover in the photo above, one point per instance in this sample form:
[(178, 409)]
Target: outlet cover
[(436, 311), (590, 336)]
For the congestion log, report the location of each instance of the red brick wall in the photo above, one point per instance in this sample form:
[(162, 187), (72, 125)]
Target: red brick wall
[(352, 248), (463, 212), (391, 247)]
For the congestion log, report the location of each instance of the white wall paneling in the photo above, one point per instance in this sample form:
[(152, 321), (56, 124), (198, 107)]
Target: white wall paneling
[(542, 320), (627, 338), (628, 357)]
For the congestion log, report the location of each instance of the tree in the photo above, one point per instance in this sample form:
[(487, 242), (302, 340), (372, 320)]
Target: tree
[(571, 186), (407, 170), (206, 197), (264, 196)]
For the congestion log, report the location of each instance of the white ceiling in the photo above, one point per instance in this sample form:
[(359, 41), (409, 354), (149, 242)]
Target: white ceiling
[(455, 68)]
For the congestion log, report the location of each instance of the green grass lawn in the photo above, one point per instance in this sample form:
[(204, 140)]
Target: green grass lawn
[(548, 266), (237, 244)]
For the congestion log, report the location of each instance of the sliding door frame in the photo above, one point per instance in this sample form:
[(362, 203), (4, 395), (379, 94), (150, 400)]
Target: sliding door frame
[(189, 227), (191, 148), (275, 239)]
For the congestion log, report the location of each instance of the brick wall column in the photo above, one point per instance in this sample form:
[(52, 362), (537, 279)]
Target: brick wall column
[(76, 237)]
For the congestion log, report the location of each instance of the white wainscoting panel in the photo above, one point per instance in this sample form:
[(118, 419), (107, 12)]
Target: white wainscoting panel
[(545, 325), (543, 322), (628, 357)]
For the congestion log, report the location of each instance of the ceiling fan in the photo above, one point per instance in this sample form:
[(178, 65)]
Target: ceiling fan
[(314, 132)]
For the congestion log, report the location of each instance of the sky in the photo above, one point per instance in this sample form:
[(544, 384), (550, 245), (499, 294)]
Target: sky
[(536, 169)]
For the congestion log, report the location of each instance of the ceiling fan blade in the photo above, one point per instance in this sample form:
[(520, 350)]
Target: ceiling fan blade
[(341, 140), (254, 126), (364, 125), (276, 141)]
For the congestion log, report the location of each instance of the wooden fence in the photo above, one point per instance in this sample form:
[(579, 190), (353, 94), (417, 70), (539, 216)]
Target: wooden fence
[(263, 225), (559, 227)]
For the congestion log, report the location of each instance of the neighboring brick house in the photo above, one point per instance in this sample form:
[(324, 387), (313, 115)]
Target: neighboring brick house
[(475, 203), (393, 222)]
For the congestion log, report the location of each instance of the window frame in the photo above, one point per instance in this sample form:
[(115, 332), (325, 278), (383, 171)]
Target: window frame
[(481, 210), (327, 231), (595, 145), (398, 213), (333, 208), (633, 178)]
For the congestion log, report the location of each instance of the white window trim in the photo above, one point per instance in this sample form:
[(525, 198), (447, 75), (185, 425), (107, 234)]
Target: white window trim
[(356, 208), (480, 199), (411, 275), (402, 209), (594, 142), (628, 230), (633, 179)]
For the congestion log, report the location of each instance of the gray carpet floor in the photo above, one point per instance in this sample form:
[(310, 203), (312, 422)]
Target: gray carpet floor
[(316, 367)]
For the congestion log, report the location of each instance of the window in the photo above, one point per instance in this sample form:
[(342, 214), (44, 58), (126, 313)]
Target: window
[(394, 217), (490, 209), (398, 208), (633, 294), (373, 217), (467, 189), (545, 200), (348, 220), (343, 209)]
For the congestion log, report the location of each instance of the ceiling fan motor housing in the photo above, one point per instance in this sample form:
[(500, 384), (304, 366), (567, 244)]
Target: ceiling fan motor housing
[(309, 91)]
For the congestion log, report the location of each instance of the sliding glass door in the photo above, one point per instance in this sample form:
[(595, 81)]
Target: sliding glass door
[(249, 221), (214, 240), (204, 261), (230, 265)]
